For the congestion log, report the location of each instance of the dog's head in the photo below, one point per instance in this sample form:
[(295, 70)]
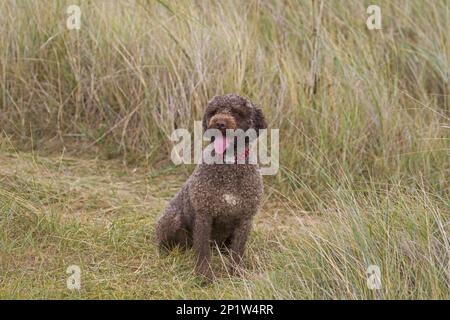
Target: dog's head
[(232, 112)]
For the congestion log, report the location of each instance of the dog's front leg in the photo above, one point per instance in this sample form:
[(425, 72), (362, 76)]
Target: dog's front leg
[(202, 235), (238, 242)]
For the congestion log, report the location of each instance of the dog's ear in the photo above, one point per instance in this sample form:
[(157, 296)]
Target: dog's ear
[(259, 120), (207, 112)]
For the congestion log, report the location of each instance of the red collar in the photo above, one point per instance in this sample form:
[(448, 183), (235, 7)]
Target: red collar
[(244, 155)]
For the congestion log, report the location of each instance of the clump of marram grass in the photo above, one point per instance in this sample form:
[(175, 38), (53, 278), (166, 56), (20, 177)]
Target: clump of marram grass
[(405, 234), (135, 71)]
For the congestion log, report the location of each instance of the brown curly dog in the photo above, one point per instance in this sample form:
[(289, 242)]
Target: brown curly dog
[(217, 203)]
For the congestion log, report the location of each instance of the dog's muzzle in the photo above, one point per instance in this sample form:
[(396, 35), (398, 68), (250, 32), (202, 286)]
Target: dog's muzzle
[(222, 121)]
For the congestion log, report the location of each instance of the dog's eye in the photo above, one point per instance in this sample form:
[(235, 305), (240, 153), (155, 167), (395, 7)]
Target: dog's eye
[(210, 112), (239, 112)]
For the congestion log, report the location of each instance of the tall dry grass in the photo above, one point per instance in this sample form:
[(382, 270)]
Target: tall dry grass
[(138, 69)]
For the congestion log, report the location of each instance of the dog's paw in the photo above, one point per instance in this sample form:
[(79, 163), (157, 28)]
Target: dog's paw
[(206, 274), (208, 278)]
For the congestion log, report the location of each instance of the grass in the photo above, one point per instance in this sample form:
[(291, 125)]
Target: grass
[(100, 215), (85, 118)]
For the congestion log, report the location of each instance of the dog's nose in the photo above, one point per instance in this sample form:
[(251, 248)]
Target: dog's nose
[(221, 124)]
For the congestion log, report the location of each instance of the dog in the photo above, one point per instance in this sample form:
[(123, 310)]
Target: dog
[(216, 205)]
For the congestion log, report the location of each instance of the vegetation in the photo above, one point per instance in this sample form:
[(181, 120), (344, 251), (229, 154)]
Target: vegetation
[(86, 115)]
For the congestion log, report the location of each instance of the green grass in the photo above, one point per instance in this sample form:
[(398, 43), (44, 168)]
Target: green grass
[(100, 216), (85, 120)]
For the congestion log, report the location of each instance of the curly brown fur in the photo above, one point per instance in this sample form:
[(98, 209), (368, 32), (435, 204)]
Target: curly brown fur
[(217, 202)]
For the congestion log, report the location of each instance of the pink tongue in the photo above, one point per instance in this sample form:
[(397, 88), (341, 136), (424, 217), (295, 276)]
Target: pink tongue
[(221, 144)]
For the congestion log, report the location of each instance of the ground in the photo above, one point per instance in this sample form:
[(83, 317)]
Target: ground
[(59, 211), (100, 215)]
